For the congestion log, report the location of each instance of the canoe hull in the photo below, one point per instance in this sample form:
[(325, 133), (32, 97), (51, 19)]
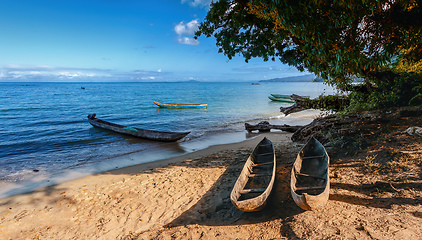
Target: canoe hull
[(256, 202), (137, 132), (280, 96), (281, 99), (285, 96), (173, 105), (310, 181)]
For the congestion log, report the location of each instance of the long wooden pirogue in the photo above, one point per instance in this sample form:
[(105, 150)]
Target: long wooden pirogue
[(175, 105), (254, 185), (137, 132), (310, 181)]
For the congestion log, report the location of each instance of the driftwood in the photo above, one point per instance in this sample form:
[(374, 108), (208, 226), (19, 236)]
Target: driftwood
[(265, 126), (300, 105)]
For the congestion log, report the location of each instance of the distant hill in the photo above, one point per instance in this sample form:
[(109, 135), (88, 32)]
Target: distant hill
[(304, 78)]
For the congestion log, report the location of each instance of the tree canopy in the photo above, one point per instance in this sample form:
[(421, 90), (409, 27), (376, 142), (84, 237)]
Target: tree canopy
[(374, 40)]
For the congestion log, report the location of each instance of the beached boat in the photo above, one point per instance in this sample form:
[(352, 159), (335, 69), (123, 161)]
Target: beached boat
[(285, 96), (281, 99), (310, 181), (174, 105), (137, 132), (255, 182)]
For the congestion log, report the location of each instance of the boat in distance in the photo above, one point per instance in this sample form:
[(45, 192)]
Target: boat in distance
[(175, 105), (255, 182), (310, 181), (281, 99), (285, 96), (137, 132)]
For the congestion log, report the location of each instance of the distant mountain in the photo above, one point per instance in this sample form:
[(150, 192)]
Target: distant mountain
[(304, 78)]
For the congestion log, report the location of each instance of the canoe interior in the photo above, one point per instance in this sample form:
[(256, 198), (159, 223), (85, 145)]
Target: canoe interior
[(310, 176), (314, 167), (256, 180), (260, 176)]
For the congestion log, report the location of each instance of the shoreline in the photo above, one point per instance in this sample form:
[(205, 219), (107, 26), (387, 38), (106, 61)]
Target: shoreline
[(188, 197), (158, 193), (149, 156)]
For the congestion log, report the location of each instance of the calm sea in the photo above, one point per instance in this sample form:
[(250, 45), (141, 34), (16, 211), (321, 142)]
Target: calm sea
[(44, 130)]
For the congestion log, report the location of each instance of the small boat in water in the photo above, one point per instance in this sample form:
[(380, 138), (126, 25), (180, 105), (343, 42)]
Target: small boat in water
[(310, 181), (174, 105), (285, 96), (281, 99), (280, 96), (137, 132), (255, 182)]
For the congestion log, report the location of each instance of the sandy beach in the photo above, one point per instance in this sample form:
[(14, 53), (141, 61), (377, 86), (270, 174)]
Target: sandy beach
[(187, 197)]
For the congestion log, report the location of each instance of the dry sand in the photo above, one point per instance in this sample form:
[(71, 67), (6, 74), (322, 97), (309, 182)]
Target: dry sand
[(187, 197)]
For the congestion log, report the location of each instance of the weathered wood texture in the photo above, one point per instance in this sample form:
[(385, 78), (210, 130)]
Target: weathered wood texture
[(265, 126), (255, 182), (310, 181)]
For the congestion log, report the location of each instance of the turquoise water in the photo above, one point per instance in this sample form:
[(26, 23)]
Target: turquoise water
[(44, 129)]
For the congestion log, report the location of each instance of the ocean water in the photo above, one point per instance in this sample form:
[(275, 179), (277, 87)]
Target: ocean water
[(44, 130)]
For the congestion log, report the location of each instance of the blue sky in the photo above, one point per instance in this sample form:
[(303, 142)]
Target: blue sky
[(116, 40)]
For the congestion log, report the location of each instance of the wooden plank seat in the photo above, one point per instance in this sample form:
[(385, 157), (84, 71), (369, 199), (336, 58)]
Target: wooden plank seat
[(307, 175), (313, 157), (261, 164), (259, 174), (256, 190), (309, 188)]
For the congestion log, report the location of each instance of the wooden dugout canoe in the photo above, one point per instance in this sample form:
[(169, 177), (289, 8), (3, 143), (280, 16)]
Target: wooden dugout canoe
[(284, 96), (255, 182), (137, 132), (281, 99), (174, 105), (310, 181)]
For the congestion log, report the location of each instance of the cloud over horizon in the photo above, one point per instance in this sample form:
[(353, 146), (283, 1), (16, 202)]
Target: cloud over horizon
[(19, 73)]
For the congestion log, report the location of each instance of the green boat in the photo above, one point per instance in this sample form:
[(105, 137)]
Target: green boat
[(280, 96), (281, 99), (285, 96)]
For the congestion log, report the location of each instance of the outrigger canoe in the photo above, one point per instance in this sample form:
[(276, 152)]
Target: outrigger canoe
[(174, 105), (310, 181), (281, 99), (137, 132), (255, 182)]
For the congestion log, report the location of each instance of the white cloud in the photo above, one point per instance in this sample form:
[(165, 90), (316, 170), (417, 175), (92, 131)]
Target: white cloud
[(188, 41), (189, 28), (24, 73), (196, 3)]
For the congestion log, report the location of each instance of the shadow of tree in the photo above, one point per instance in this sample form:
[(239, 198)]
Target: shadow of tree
[(378, 187), (216, 209)]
